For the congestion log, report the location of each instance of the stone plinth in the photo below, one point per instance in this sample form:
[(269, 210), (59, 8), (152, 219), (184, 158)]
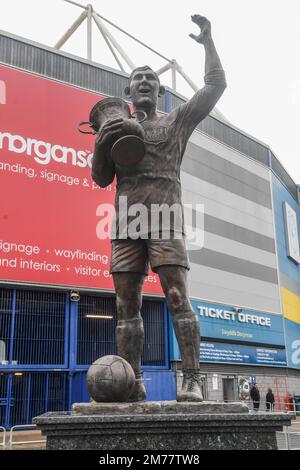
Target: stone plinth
[(161, 426), (157, 407)]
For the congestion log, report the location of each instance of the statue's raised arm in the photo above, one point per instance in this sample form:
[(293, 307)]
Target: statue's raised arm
[(205, 99)]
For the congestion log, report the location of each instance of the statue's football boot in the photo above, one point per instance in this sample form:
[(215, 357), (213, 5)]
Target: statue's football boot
[(138, 391), (191, 386)]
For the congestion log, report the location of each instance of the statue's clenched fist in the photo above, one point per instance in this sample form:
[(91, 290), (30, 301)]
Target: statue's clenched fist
[(109, 133), (205, 28)]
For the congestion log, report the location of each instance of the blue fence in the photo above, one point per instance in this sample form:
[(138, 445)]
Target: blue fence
[(6, 302), (24, 395), (42, 331), (95, 337), (34, 328)]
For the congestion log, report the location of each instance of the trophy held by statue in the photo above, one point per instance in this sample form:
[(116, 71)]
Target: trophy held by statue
[(129, 148)]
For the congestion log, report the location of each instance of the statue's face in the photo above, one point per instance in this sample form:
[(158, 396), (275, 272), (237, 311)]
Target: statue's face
[(144, 88)]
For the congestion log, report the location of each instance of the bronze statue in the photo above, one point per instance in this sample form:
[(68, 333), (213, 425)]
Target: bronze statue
[(155, 180)]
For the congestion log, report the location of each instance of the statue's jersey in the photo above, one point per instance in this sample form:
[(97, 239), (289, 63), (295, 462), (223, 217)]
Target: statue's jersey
[(155, 181)]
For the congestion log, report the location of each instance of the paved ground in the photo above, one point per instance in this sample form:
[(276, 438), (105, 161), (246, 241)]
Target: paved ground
[(296, 425), (21, 436)]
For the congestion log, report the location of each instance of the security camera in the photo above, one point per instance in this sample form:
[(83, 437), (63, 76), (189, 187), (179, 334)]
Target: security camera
[(75, 296)]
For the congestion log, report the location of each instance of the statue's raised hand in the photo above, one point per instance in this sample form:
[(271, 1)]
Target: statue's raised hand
[(205, 28)]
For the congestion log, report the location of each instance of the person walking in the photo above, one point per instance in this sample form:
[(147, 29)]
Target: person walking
[(270, 400), (255, 397)]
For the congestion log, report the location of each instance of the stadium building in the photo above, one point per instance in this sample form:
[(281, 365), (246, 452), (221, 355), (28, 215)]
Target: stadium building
[(57, 304)]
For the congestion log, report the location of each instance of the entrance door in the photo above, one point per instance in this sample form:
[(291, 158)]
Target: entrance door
[(228, 389)]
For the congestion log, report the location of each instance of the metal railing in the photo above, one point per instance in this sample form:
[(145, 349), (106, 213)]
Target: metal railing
[(287, 440), (286, 407), (3, 443), (277, 407), (266, 407), (22, 427)]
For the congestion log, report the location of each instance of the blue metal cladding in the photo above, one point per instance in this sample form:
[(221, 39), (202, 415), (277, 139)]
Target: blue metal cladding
[(281, 195), (78, 389), (96, 337), (291, 272), (229, 353), (160, 385), (168, 101), (242, 354), (223, 322), (283, 176), (292, 331)]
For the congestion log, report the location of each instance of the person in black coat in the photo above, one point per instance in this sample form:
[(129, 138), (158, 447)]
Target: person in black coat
[(270, 400), (255, 397)]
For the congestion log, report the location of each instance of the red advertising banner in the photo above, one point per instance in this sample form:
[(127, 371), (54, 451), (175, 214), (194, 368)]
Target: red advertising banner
[(50, 209)]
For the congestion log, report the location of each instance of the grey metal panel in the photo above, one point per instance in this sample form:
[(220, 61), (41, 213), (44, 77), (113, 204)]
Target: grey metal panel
[(244, 144), (195, 191), (239, 234), (230, 136), (239, 250), (200, 220), (229, 154), (233, 283), (224, 296), (232, 264), (233, 215), (235, 139), (220, 294), (222, 180), (232, 289), (226, 168)]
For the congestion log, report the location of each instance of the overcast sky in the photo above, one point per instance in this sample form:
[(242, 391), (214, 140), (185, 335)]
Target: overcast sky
[(258, 42)]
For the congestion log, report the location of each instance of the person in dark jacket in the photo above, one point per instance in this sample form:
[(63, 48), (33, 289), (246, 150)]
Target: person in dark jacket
[(255, 397), (270, 400)]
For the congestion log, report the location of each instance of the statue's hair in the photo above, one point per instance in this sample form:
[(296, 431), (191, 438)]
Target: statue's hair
[(142, 69)]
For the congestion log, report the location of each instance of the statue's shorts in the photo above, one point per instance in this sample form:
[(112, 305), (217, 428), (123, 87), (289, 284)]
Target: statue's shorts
[(135, 255)]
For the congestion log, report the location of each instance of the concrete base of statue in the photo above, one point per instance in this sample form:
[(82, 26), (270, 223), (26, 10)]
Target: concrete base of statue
[(161, 426)]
